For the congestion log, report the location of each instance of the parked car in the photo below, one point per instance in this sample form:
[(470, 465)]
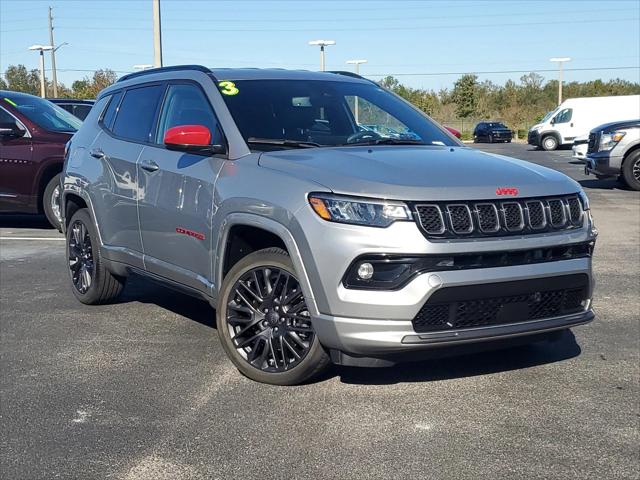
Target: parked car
[(580, 146), (577, 116), (453, 131), (33, 134), (491, 132), (79, 108), (614, 150), (316, 241)]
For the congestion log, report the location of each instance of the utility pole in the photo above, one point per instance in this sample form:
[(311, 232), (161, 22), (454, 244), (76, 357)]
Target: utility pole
[(560, 61), (157, 35), (355, 100), (54, 75)]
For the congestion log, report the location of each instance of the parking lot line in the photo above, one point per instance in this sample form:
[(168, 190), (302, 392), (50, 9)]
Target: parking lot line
[(34, 238)]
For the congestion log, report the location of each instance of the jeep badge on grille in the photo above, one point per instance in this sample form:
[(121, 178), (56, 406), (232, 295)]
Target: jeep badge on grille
[(511, 191)]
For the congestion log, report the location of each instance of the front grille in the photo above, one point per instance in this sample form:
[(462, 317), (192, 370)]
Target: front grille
[(477, 306), (497, 218), (593, 143)]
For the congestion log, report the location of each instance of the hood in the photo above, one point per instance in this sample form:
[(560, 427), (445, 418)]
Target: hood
[(418, 172)]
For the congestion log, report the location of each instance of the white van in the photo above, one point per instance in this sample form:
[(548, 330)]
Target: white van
[(577, 116)]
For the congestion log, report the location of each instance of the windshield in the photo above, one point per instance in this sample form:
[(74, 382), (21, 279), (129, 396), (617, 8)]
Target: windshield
[(325, 113), (549, 115), (44, 113), (497, 125)]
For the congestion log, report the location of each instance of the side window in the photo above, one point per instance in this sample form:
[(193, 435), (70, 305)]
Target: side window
[(110, 112), (6, 118), (137, 112), (564, 116), (186, 104)]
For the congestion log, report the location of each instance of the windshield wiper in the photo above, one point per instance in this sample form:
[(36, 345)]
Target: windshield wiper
[(282, 141), (388, 141)]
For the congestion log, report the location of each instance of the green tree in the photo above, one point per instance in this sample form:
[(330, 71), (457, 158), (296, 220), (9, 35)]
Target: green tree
[(89, 87), (19, 79), (465, 95)]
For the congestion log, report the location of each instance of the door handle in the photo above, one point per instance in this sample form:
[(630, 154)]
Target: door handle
[(571, 124), (96, 153), (149, 165)]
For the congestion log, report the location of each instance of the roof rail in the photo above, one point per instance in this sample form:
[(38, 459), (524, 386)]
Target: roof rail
[(346, 73), (172, 68)]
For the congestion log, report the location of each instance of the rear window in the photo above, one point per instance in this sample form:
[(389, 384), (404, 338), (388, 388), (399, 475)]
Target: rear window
[(137, 113), (44, 113)]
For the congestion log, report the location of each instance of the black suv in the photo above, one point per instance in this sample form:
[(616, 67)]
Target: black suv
[(491, 132), (77, 108)]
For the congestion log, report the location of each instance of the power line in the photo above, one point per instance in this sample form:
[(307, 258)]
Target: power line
[(364, 29), (501, 71)]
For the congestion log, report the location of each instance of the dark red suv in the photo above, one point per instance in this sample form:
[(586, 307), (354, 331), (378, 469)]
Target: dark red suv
[(33, 135)]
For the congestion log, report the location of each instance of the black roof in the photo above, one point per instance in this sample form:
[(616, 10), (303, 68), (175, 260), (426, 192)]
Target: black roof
[(77, 101), (618, 124)]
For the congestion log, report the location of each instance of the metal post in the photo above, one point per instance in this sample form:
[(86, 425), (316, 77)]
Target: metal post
[(157, 35), (54, 75), (560, 85), (43, 92), (322, 58)]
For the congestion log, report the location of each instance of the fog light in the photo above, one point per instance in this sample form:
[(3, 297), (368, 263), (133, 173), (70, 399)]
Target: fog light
[(365, 271)]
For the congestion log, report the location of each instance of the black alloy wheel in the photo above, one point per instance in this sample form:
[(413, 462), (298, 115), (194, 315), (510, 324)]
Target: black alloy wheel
[(81, 263), (268, 319)]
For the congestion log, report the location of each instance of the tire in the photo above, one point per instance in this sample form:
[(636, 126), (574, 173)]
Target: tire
[(246, 298), (509, 141), (51, 202), (631, 170), (91, 282), (549, 143)]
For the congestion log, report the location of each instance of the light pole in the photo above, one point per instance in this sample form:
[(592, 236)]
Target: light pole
[(322, 44), (157, 34), (42, 49), (560, 61), (357, 64)]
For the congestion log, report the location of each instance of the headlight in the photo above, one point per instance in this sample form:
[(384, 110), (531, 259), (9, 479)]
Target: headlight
[(584, 199), (358, 211), (609, 140)]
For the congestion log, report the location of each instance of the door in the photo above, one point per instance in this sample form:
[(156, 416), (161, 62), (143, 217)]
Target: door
[(176, 194), (16, 167), (128, 123), (563, 123)]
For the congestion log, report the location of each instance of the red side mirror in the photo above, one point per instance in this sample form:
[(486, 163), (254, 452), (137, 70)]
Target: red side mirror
[(186, 136)]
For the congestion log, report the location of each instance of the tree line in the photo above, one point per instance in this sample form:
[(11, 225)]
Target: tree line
[(517, 104), (19, 79)]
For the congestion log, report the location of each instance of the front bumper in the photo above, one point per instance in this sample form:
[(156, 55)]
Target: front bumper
[(380, 339), (372, 337), (603, 163), (533, 138)]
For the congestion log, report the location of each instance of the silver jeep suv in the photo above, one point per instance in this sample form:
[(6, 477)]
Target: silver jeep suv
[(315, 236)]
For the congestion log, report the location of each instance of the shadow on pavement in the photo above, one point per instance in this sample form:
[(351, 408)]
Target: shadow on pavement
[(143, 290), (24, 221), (485, 363), (603, 184)]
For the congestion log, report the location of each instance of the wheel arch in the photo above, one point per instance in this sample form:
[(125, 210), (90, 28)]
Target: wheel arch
[(630, 152), (276, 235), (50, 170)]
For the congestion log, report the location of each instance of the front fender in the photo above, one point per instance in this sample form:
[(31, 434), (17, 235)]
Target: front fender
[(272, 226)]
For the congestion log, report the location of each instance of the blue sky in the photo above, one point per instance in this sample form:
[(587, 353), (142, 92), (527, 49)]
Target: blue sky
[(424, 43)]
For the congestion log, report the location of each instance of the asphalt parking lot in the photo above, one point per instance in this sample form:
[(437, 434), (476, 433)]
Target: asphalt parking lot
[(142, 390)]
